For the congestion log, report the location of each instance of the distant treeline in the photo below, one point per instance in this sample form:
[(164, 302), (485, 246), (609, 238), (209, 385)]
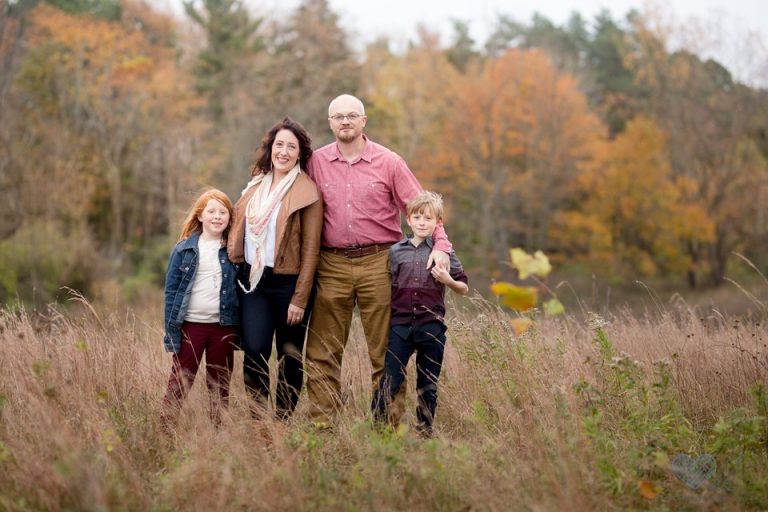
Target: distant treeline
[(595, 141)]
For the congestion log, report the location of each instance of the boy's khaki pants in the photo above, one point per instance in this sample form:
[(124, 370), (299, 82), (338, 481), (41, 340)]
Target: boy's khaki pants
[(341, 283)]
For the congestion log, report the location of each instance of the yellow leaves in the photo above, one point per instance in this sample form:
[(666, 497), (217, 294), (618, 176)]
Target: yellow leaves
[(528, 265), (520, 325), (518, 298), (102, 53), (648, 489), (553, 307), (117, 67), (635, 218), (524, 298), (136, 65)]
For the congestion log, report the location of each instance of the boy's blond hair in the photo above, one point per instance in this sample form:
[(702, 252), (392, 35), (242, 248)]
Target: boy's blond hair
[(426, 200)]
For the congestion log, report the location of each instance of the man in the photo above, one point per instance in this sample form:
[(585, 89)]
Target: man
[(365, 186)]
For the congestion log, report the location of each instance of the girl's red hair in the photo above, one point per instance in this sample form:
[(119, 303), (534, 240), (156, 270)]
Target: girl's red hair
[(193, 225)]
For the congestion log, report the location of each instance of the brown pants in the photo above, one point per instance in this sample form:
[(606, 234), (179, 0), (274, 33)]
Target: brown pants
[(343, 283)]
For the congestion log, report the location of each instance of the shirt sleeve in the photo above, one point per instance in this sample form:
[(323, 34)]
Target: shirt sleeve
[(172, 280), (457, 270), (440, 239)]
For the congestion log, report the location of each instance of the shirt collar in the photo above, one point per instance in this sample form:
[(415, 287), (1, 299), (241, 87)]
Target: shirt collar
[(366, 154), (191, 241), (407, 242)]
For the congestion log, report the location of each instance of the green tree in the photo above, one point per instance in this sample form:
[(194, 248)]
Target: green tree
[(565, 45), (106, 9), (615, 93), (311, 64), (232, 38), (461, 52)]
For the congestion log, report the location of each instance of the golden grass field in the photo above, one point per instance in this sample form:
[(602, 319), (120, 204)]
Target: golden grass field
[(663, 412)]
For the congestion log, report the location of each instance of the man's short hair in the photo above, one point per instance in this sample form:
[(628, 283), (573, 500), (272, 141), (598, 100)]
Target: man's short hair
[(354, 99), (426, 200)]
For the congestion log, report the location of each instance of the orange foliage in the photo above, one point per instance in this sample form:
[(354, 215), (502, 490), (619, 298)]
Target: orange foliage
[(517, 133), (633, 213)]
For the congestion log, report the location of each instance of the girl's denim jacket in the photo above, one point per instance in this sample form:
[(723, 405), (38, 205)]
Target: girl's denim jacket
[(179, 279)]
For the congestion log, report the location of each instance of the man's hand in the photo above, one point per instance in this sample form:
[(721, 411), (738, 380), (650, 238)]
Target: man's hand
[(439, 259), (295, 314)]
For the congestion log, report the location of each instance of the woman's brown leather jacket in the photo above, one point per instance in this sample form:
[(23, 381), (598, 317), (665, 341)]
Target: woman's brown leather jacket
[(297, 236)]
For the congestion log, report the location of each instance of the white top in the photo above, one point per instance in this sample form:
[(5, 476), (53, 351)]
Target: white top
[(206, 290), (269, 243)]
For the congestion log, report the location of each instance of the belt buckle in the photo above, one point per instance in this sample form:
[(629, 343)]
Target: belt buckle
[(353, 252)]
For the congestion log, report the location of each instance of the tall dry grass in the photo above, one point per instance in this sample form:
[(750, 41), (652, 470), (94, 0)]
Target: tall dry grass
[(550, 420)]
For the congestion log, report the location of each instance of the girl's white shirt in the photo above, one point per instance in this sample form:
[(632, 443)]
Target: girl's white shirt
[(206, 290)]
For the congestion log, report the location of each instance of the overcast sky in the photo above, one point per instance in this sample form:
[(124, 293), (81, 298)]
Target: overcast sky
[(726, 25), (399, 17)]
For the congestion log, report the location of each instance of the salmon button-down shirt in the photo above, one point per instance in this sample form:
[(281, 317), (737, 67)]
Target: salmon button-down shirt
[(363, 198)]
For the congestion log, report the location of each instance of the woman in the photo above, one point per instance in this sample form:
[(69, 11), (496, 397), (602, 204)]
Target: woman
[(276, 231)]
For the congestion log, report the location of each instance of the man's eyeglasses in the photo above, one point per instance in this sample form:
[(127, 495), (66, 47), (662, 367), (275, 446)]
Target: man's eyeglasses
[(340, 117)]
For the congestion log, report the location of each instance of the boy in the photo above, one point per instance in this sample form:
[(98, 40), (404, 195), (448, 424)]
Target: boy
[(418, 305)]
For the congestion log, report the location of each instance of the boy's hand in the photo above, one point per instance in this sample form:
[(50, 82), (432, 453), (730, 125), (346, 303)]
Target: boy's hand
[(441, 275), (439, 259)]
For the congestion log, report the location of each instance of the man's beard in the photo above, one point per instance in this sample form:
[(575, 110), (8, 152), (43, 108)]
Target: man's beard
[(347, 136)]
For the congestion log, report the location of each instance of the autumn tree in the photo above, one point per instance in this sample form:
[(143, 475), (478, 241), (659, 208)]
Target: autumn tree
[(95, 107), (11, 34), (631, 217), (710, 119), (518, 133), (407, 114), (592, 52)]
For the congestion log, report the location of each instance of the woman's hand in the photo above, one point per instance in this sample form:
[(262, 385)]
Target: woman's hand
[(295, 314)]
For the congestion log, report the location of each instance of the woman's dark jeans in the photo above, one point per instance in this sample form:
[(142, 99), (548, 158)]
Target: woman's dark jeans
[(263, 314)]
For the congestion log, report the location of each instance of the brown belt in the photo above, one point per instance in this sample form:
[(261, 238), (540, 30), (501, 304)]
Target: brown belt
[(359, 251)]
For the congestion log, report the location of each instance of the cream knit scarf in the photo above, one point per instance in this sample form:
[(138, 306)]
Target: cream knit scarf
[(258, 211)]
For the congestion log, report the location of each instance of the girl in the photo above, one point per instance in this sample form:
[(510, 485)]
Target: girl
[(201, 306), (276, 235)]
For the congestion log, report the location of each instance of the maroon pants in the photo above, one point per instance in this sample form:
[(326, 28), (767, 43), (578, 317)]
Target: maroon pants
[(218, 344)]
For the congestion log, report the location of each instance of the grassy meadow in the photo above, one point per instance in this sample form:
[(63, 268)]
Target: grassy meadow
[(647, 412)]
